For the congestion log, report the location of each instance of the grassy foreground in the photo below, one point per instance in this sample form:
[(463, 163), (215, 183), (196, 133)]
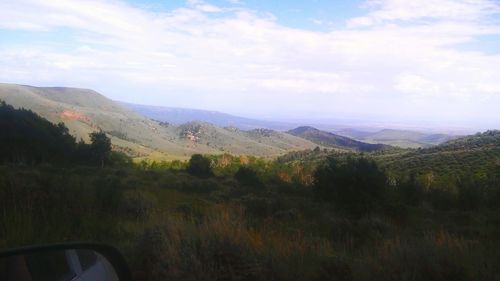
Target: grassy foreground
[(175, 226)]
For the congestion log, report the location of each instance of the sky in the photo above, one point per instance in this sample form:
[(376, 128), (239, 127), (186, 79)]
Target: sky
[(426, 62)]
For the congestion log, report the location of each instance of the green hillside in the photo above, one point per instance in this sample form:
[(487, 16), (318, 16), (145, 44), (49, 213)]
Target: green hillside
[(260, 142), (476, 156), (471, 155), (84, 111)]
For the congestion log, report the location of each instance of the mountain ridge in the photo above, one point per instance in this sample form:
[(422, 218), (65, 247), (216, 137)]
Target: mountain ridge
[(178, 116), (333, 140)]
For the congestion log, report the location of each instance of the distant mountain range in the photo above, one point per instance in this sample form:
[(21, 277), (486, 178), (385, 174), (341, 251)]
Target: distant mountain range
[(177, 116), (175, 133), (400, 138)]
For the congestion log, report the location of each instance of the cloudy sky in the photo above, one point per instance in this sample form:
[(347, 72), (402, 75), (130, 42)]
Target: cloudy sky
[(427, 61)]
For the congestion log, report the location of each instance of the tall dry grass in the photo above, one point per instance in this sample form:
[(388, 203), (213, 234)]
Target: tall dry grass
[(221, 246)]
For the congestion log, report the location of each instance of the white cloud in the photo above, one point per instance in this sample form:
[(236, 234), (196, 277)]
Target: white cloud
[(404, 10), (204, 7), (414, 84), (236, 2), (194, 2), (241, 61), (209, 8)]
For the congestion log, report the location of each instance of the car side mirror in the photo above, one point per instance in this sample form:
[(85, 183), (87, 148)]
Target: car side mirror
[(64, 262)]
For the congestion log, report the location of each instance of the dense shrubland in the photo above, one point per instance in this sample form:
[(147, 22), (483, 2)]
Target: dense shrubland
[(334, 217)]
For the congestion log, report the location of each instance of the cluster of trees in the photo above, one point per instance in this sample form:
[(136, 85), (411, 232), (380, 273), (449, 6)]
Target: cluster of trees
[(357, 186), (200, 166), (203, 167), (354, 186), (28, 139)]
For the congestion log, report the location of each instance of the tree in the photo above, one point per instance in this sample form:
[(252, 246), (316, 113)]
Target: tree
[(27, 138), (248, 176), (411, 191), (494, 190), (471, 194), (355, 186), (200, 166), (100, 147)]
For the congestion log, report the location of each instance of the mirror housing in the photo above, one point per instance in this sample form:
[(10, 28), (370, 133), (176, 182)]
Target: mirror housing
[(72, 261)]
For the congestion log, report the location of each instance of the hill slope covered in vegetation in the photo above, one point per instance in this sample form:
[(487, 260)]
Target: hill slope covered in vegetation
[(84, 111), (476, 155)]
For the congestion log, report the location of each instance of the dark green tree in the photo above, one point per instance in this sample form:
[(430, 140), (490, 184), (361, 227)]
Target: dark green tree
[(471, 194), (100, 147), (411, 191), (248, 176), (494, 186), (200, 166), (354, 186), (27, 138)]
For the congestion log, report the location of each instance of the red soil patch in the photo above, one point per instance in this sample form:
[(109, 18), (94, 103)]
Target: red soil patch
[(73, 115)]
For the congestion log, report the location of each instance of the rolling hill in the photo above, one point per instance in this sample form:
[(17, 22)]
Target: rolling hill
[(332, 140), (84, 111), (231, 139)]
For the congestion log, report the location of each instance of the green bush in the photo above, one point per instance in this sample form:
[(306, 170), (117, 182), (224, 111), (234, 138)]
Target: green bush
[(470, 196), (247, 176), (355, 186), (200, 166), (411, 192)]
